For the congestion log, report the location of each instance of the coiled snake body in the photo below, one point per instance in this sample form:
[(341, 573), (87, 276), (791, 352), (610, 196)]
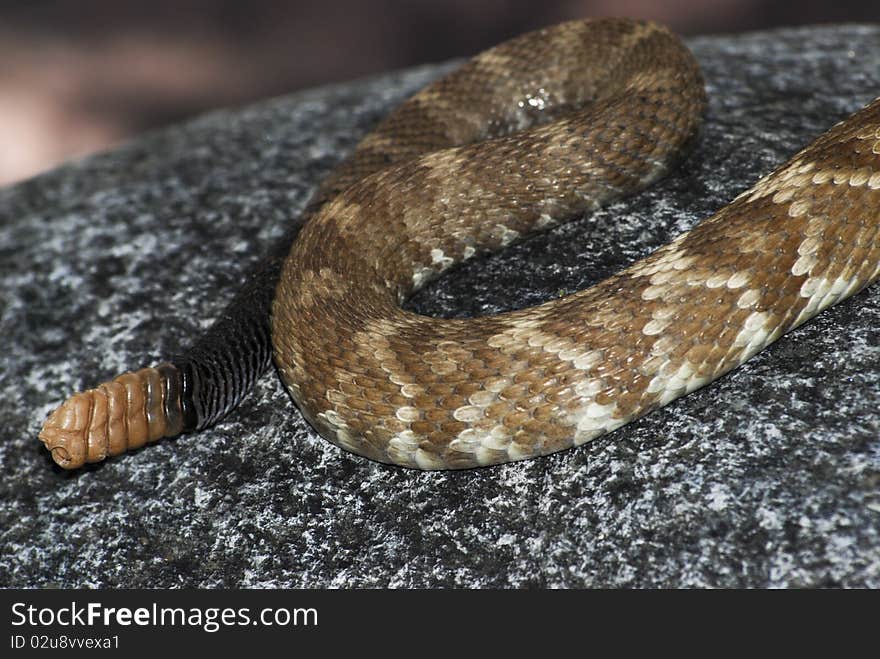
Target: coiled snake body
[(536, 130)]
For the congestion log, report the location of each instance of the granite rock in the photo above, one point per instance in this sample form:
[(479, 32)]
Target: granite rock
[(768, 477)]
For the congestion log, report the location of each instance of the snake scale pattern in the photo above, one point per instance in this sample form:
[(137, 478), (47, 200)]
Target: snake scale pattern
[(532, 132)]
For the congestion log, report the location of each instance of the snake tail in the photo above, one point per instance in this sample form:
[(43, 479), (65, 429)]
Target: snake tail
[(131, 410), (184, 394)]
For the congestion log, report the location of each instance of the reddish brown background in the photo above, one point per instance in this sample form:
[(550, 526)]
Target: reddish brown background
[(79, 75)]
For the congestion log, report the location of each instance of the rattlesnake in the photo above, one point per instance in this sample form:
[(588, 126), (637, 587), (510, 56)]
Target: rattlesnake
[(531, 132)]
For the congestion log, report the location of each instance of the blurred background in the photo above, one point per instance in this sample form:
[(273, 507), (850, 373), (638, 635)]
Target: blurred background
[(77, 76)]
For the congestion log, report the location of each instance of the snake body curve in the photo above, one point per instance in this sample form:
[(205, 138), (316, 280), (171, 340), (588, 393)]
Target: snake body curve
[(534, 131)]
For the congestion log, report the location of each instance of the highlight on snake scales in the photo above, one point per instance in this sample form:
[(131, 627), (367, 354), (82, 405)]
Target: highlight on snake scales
[(535, 131)]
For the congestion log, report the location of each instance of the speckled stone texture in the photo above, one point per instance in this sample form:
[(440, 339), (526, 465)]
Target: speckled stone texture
[(768, 477)]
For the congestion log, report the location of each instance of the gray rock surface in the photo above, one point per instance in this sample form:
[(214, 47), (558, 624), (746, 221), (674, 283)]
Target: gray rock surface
[(769, 477)]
